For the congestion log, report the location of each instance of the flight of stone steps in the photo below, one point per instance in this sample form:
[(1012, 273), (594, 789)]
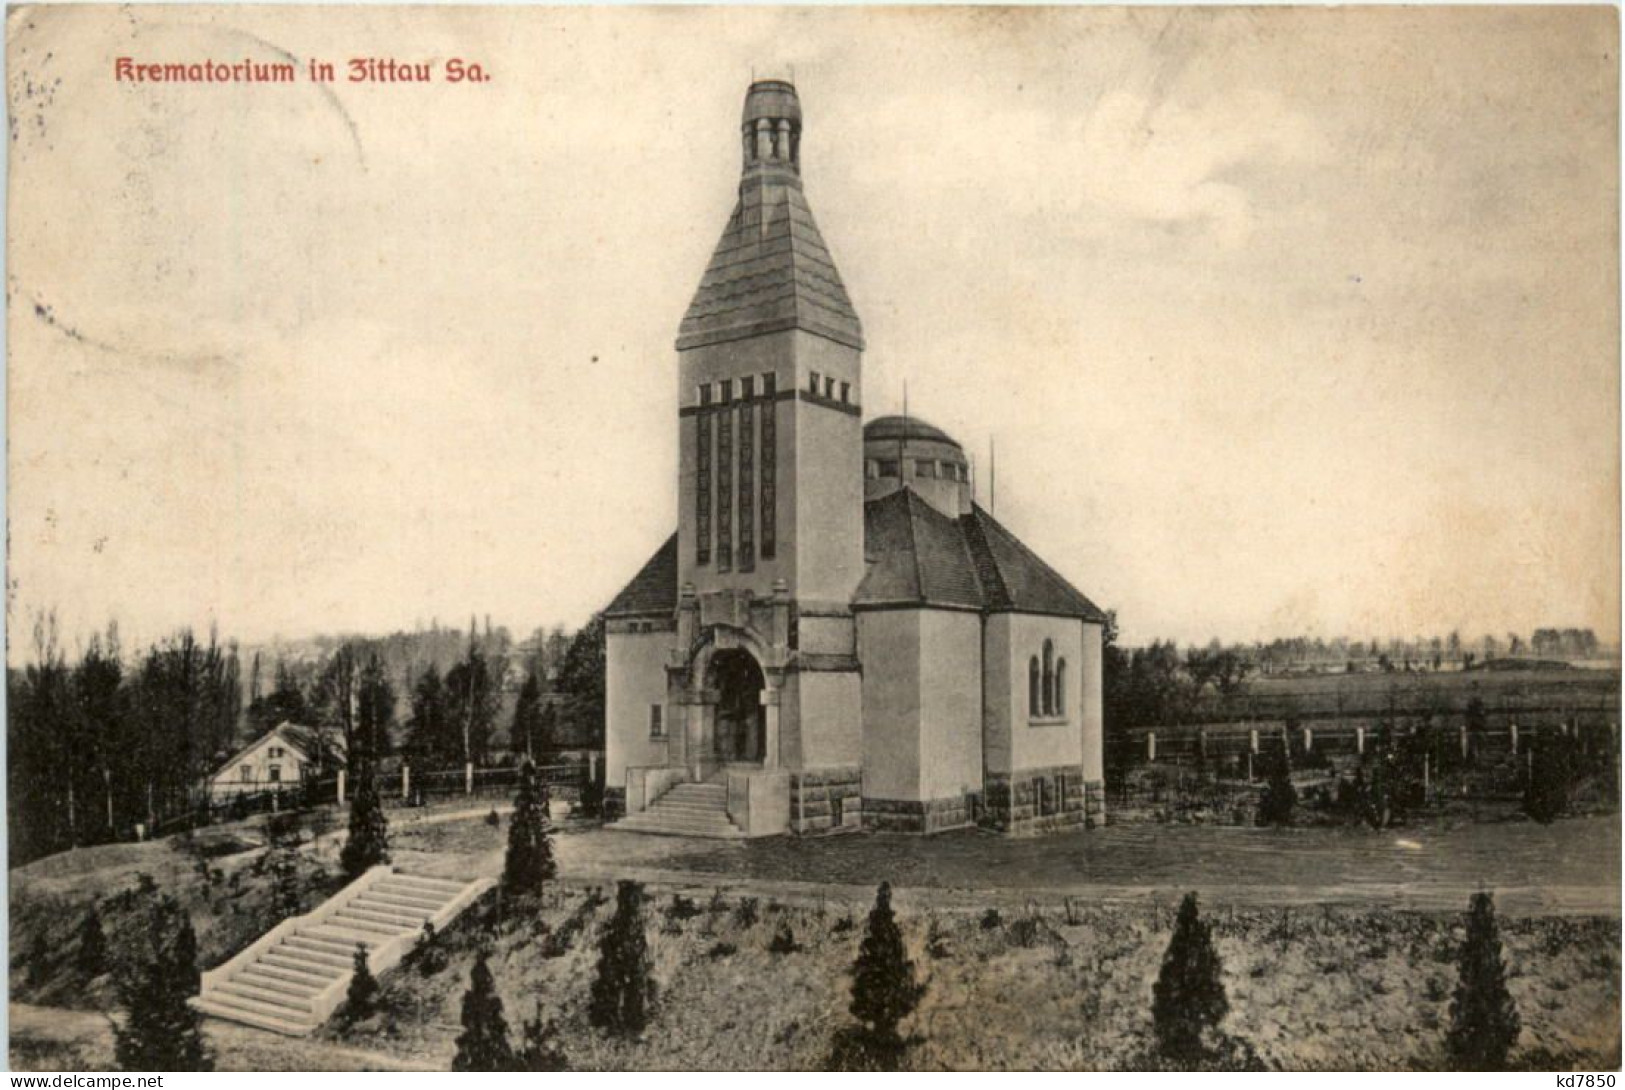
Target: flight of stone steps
[(295, 976), (688, 809)]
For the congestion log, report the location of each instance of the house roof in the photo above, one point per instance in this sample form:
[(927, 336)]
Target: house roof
[(921, 557), (653, 589), (300, 738), (916, 556)]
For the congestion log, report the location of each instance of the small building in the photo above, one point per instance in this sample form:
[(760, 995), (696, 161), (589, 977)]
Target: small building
[(281, 757)]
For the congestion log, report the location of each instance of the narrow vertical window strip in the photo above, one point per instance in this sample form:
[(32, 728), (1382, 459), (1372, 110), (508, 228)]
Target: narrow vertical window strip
[(702, 488), (769, 464), (747, 496), (725, 460)]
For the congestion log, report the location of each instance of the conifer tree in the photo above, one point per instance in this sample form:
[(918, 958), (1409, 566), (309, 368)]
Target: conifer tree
[(282, 860), (161, 1032), (884, 992), (1484, 1020), (541, 1050), (1188, 999), (623, 989), (483, 1044), (91, 957), (1275, 807), (529, 863), (368, 842), (362, 997)]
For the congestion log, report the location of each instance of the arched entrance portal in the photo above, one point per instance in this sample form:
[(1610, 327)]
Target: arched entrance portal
[(741, 724)]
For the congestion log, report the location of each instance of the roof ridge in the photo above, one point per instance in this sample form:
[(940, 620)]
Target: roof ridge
[(1029, 554), (986, 566), (913, 539)]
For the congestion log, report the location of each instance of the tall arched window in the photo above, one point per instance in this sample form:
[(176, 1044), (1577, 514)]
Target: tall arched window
[(1033, 707), (1060, 687), (1048, 688)]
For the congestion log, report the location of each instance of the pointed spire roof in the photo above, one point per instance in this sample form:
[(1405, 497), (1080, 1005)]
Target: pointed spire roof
[(771, 271)]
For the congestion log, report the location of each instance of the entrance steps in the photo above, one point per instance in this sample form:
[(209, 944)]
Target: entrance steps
[(295, 976), (688, 809)]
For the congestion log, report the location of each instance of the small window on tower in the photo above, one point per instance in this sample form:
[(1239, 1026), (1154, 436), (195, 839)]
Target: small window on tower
[(888, 467), (769, 384), (812, 383), (725, 390), (925, 468), (871, 469), (657, 729), (705, 394), (747, 388), (829, 388), (846, 392)]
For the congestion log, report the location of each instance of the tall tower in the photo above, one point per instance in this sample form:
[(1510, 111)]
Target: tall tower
[(771, 478)]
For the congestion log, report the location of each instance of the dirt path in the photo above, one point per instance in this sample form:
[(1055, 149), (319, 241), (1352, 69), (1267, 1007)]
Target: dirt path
[(235, 1047)]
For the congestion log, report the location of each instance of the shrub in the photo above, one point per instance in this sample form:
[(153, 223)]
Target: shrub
[(991, 920), (91, 957), (623, 988), (784, 940), (884, 992), (154, 980), (842, 925), (529, 864), (493, 819), (368, 842), (541, 1050), (722, 950), (746, 913), (1551, 777), (1484, 1020), (1188, 1000), (483, 1044), (1276, 804), (427, 956), (936, 940), (362, 998)]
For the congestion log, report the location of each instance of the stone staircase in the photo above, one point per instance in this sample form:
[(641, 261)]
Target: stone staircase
[(688, 809), (295, 976)]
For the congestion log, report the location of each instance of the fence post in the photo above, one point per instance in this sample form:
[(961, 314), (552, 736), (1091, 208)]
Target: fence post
[(1252, 740), (592, 768), (1308, 740), (468, 777), (1250, 765), (1425, 773), (341, 787), (1359, 740), (1150, 745), (1464, 753), (1514, 739)]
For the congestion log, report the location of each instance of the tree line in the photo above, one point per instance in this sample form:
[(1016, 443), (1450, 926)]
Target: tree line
[(112, 739)]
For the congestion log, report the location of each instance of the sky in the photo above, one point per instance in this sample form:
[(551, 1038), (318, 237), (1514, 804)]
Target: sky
[(1283, 321)]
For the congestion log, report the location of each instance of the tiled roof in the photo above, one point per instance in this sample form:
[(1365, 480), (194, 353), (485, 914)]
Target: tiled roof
[(919, 556), (770, 271), (916, 556), (1014, 578), (654, 588)]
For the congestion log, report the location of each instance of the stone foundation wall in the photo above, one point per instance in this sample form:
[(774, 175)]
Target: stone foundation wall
[(910, 816), (826, 800), (1094, 803), (1012, 802)]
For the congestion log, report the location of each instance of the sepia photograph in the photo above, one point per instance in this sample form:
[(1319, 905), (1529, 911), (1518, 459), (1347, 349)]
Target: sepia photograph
[(894, 539)]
